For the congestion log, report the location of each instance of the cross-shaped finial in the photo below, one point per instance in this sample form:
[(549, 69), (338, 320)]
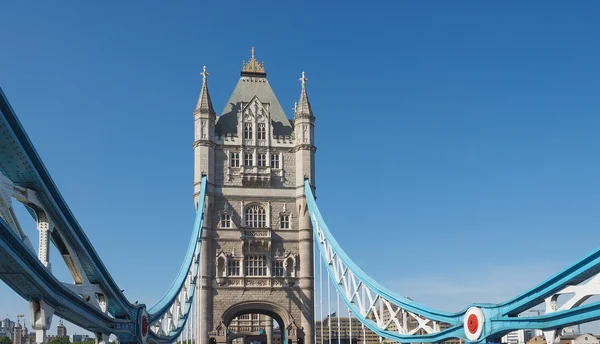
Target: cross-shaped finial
[(253, 53), (303, 79), (204, 73)]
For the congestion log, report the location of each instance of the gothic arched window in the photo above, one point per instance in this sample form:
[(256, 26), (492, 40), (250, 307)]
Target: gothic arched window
[(262, 133), (255, 216), (248, 131)]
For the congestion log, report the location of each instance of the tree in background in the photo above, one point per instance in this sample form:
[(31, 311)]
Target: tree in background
[(5, 340), (59, 340)]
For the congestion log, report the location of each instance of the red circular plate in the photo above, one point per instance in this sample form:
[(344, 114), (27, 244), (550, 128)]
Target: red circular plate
[(472, 323), (145, 326)]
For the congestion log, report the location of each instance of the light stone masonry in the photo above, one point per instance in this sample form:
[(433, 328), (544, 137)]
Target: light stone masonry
[(257, 250)]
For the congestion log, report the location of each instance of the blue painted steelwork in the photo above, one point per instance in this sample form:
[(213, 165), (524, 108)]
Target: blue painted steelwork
[(192, 257), (499, 318), (161, 307), (23, 272), (24, 167)]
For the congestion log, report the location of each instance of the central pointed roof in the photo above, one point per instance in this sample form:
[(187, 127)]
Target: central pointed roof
[(253, 82)]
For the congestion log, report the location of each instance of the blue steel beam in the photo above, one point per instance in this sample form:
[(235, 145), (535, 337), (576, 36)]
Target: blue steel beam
[(22, 271), (21, 163), (499, 318), (190, 262)]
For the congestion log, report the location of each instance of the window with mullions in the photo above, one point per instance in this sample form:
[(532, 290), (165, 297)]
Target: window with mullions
[(262, 132), (235, 159), (261, 159), (274, 160), (233, 268), (255, 217), (255, 265), (225, 221), (277, 268), (248, 159), (248, 130), (284, 221)]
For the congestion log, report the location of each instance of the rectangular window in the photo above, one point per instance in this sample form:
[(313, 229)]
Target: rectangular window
[(261, 159), (255, 265), (248, 159), (233, 268), (235, 159), (245, 316), (277, 268), (284, 222), (274, 160), (262, 133), (248, 131), (225, 221)]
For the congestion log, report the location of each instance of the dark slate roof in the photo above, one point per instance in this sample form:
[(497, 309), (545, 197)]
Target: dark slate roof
[(247, 87)]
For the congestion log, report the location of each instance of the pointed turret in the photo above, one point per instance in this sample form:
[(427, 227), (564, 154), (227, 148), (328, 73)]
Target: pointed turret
[(204, 132), (204, 105), (303, 109), (304, 133)]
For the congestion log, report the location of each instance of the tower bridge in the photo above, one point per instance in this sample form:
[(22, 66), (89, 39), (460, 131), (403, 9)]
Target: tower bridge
[(257, 243)]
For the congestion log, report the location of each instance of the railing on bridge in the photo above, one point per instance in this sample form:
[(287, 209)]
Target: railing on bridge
[(399, 319), (93, 300)]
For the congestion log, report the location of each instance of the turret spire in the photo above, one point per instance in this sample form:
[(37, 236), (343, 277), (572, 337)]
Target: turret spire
[(204, 102), (303, 108)]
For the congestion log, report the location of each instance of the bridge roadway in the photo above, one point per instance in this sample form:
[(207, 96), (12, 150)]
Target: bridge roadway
[(24, 273), (20, 162)]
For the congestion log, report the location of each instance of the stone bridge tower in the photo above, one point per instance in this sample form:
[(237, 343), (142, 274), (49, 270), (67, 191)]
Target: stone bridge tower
[(257, 253)]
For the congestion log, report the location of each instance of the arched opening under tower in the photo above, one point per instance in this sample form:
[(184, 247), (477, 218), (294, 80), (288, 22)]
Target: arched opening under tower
[(252, 322)]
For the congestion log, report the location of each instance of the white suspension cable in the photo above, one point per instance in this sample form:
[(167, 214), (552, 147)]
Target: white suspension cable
[(338, 319), (314, 335), (329, 307), (364, 334), (201, 339), (194, 327), (350, 318), (321, 295)]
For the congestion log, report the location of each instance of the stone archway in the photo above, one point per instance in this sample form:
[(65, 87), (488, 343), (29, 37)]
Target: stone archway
[(278, 313)]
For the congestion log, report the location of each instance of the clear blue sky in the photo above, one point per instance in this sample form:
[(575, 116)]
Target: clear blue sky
[(457, 142)]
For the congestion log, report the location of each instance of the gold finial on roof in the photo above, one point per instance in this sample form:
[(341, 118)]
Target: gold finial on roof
[(253, 66)]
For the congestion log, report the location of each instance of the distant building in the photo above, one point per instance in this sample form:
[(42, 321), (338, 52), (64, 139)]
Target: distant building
[(80, 338), (537, 340), (6, 328), (6, 333), (585, 338), (28, 337), (18, 334), (412, 323), (517, 337), (61, 330), (350, 332)]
